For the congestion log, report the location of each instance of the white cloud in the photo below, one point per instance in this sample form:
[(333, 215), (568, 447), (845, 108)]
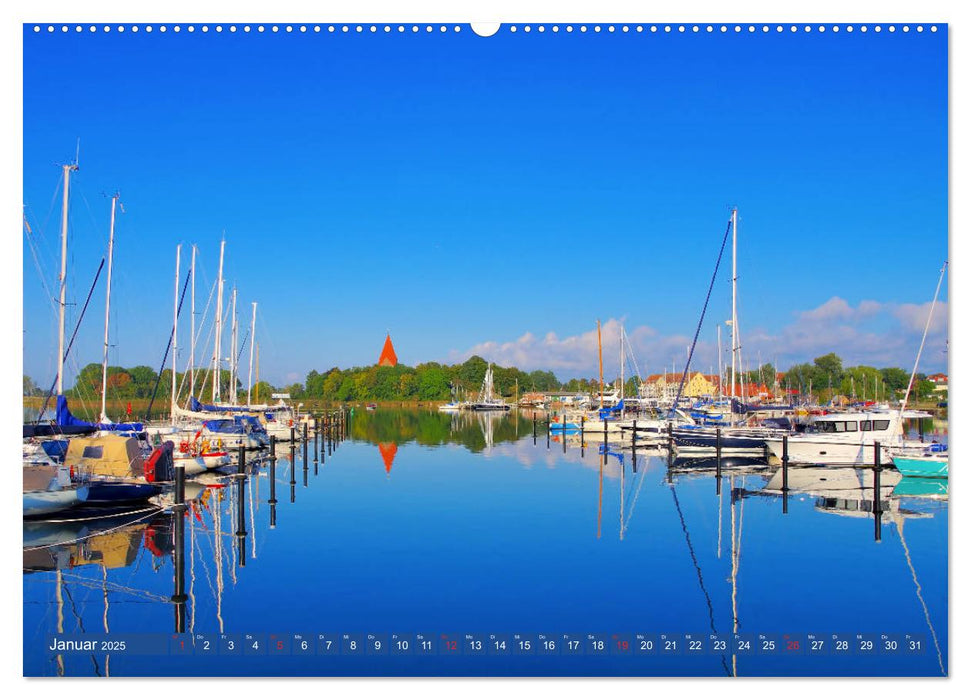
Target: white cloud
[(873, 333)]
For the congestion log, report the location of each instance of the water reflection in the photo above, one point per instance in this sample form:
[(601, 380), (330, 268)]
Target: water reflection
[(522, 545)]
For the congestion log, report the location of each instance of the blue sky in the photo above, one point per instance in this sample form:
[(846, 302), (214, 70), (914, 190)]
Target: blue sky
[(495, 195)]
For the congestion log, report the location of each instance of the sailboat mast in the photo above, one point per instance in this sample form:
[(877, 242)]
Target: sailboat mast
[(216, 360), (600, 355), (192, 328), (927, 326), (175, 325), (104, 361), (232, 359), (63, 279), (252, 344), (720, 370), (734, 293)]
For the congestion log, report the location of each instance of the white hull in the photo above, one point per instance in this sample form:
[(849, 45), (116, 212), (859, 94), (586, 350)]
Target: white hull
[(192, 465), (816, 451), (44, 502)]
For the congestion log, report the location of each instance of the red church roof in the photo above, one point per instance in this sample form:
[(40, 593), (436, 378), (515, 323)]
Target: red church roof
[(388, 358), (388, 451)]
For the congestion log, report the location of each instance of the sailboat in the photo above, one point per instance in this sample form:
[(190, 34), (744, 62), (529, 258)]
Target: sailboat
[(487, 400)]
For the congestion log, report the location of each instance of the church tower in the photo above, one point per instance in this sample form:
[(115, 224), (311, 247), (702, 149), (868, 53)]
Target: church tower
[(388, 358)]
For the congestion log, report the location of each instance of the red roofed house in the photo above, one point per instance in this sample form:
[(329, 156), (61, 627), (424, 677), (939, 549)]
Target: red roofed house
[(940, 381), (388, 358)]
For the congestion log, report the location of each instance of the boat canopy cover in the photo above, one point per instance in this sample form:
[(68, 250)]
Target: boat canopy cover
[(64, 417), (227, 426), (106, 455), (739, 407), (196, 405), (606, 411), (253, 422)]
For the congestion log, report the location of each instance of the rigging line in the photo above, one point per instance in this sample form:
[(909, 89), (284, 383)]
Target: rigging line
[(168, 346), (90, 535), (701, 320), (630, 513), (694, 560), (40, 271), (73, 336)]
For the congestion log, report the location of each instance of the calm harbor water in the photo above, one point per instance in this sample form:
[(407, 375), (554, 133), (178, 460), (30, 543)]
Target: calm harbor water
[(464, 528)]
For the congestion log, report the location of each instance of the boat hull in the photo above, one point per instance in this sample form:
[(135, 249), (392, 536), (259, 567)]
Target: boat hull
[(828, 453), (46, 502), (925, 467)]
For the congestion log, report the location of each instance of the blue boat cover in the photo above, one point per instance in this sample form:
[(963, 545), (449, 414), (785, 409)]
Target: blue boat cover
[(195, 405), (605, 412), (63, 416), (226, 426)]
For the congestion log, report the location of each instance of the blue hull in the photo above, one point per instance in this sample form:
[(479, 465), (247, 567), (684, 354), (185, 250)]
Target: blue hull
[(114, 493)]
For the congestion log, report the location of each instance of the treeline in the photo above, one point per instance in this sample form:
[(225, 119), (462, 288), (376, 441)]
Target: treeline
[(826, 377), (429, 381)]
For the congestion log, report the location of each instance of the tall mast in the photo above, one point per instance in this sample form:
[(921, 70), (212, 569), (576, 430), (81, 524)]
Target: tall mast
[(192, 331), (252, 344), (257, 372), (104, 361), (622, 368), (600, 354), (720, 370), (232, 359), (734, 299), (175, 325), (63, 279), (216, 360)]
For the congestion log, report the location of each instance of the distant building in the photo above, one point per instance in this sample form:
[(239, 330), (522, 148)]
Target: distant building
[(665, 386), (940, 381), (388, 357)]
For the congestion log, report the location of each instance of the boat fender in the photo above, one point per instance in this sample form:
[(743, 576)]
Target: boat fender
[(160, 466), (184, 446)]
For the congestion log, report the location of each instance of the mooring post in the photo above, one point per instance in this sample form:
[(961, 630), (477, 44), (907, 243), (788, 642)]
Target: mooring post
[(785, 474), (877, 507), (670, 443), (633, 446), (241, 520), (549, 429), (241, 463), (272, 500), (179, 495), (306, 444), (534, 427), (178, 559), (293, 434), (563, 434), (316, 436), (273, 446)]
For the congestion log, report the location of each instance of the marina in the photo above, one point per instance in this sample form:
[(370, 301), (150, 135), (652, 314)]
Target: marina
[(664, 387), (511, 526)]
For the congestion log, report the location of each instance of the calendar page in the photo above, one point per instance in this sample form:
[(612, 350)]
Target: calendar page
[(523, 349)]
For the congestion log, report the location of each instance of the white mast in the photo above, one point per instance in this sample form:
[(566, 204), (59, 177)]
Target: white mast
[(622, 367), (232, 359), (104, 361), (175, 325), (927, 326), (192, 331), (734, 301), (252, 344), (216, 360), (720, 370), (63, 280)]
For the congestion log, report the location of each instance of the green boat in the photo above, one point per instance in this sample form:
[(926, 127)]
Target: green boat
[(934, 466)]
